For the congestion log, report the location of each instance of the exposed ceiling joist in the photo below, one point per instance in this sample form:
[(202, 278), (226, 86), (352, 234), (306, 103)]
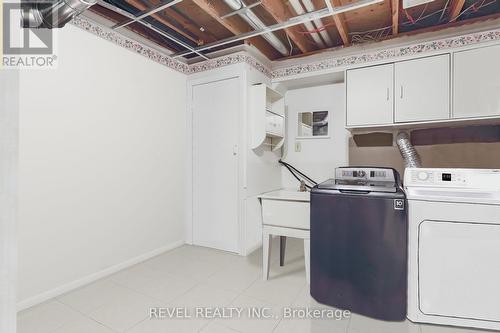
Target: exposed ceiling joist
[(395, 16), (339, 21), (216, 11), (318, 14), (146, 12), (120, 11), (456, 7), (141, 6), (203, 36), (279, 12)]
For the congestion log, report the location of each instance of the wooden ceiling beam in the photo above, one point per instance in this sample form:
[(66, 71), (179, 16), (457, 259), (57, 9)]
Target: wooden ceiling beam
[(340, 23), (455, 9), (204, 36), (136, 28), (279, 12), (235, 26), (395, 16), (139, 5)]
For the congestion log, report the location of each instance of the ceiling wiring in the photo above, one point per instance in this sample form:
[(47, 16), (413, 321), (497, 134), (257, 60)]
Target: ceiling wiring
[(290, 43)]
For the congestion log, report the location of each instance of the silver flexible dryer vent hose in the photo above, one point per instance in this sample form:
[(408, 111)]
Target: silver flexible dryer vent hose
[(38, 14), (408, 152)]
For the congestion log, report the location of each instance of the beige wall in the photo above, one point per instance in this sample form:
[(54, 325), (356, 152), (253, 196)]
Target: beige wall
[(460, 155)]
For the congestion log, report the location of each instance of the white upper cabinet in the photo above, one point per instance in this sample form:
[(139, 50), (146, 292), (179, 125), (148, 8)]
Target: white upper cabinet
[(422, 89), (476, 83), (369, 98)]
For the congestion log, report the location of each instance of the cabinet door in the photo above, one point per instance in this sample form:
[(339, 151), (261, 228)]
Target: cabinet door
[(476, 83), (369, 98), (422, 89)]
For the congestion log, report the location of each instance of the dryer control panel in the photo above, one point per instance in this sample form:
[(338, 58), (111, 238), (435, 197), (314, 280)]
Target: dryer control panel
[(454, 178)]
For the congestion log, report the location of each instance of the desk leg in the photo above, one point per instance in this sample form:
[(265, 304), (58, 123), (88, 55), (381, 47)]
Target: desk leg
[(282, 250), (307, 257), (266, 253)]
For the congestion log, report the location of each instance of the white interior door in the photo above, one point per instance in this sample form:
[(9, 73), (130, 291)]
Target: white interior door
[(215, 164)]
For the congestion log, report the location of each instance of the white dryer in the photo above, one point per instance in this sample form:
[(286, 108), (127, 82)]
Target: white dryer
[(454, 246)]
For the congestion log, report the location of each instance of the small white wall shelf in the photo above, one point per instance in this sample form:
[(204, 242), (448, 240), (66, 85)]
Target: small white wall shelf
[(267, 117)]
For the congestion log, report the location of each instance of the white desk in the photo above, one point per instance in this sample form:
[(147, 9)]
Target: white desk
[(284, 213)]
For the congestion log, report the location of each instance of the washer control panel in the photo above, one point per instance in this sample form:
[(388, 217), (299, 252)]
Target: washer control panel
[(372, 174)]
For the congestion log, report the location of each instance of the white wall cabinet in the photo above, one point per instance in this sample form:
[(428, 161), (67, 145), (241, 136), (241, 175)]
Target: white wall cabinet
[(476, 83), (369, 96), (266, 117), (422, 89)]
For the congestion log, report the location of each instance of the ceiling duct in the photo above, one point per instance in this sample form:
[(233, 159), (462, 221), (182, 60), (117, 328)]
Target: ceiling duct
[(297, 7), (51, 14), (256, 23), (317, 22)]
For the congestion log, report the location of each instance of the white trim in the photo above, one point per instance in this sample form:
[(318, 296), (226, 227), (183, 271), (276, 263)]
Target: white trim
[(45, 296), (9, 149)]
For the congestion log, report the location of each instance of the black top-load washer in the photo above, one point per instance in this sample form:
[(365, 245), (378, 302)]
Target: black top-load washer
[(359, 242)]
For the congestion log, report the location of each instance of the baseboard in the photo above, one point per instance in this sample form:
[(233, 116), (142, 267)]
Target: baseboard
[(253, 248), (45, 296)]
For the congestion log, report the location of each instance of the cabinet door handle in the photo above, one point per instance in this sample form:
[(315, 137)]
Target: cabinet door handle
[(235, 150), (388, 93), (401, 92)]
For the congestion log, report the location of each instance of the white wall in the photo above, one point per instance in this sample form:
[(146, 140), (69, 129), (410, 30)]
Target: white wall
[(102, 144), (318, 157), (8, 198)]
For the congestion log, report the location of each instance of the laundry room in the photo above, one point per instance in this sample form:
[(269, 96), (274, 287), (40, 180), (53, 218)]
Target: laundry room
[(250, 166)]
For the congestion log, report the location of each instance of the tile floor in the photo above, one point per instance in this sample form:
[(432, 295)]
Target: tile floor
[(192, 277)]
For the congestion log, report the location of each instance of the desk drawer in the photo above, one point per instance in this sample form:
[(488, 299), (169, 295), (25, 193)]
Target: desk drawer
[(290, 214)]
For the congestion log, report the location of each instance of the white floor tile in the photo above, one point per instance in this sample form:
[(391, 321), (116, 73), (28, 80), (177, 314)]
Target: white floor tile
[(83, 325), (93, 296), (248, 322), (169, 326), (236, 278), (204, 296), (215, 327), (311, 326), (179, 265), (362, 324), (449, 329), (334, 321), (154, 283), (280, 289), (198, 277), (45, 318), (215, 257), (128, 309)]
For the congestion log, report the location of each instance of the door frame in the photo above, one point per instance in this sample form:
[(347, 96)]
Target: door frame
[(9, 150), (230, 72)]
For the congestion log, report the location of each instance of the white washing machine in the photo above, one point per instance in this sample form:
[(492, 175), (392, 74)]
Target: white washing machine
[(454, 246)]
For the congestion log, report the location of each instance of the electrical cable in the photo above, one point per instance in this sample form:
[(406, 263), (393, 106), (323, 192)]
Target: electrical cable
[(292, 170), (290, 42), (296, 177)]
